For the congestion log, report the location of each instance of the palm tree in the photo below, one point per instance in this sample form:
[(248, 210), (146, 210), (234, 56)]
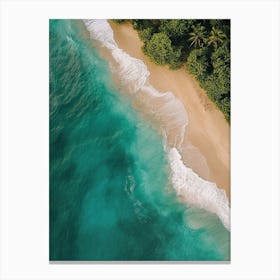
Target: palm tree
[(197, 36), (216, 37)]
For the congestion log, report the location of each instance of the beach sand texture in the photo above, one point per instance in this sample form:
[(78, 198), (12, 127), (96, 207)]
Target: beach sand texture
[(206, 145)]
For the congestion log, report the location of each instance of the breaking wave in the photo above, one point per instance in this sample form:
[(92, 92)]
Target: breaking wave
[(170, 113)]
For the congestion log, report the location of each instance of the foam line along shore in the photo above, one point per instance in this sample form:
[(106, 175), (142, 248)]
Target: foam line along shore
[(180, 131), (207, 129)]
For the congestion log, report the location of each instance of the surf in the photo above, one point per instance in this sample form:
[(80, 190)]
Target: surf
[(169, 112)]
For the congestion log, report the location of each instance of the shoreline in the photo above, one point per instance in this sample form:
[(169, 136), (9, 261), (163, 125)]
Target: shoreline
[(207, 135)]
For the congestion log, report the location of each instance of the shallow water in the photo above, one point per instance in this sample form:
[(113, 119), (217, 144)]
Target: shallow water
[(111, 196)]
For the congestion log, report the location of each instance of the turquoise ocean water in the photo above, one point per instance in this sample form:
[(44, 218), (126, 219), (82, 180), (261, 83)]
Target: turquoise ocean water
[(110, 193)]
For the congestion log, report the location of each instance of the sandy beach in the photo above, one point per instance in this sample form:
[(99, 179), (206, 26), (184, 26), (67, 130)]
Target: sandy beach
[(208, 133)]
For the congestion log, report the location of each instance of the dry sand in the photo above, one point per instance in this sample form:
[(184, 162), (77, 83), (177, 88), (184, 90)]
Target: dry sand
[(207, 130)]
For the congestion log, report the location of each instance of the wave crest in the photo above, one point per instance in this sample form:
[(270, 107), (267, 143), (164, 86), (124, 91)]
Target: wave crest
[(196, 191), (170, 113)]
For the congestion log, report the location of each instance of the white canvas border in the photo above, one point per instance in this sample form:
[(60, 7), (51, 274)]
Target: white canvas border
[(254, 142)]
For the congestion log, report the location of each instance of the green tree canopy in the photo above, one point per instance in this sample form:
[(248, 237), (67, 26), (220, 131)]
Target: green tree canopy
[(146, 34), (216, 38), (176, 58), (197, 63), (197, 37), (221, 57), (202, 45), (159, 48), (174, 27)]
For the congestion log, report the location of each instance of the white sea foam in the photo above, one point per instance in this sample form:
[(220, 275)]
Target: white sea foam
[(170, 113), (133, 71), (196, 191), (133, 75), (100, 30)]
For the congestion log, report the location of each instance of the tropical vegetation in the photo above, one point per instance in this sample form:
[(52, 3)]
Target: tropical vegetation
[(201, 46)]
